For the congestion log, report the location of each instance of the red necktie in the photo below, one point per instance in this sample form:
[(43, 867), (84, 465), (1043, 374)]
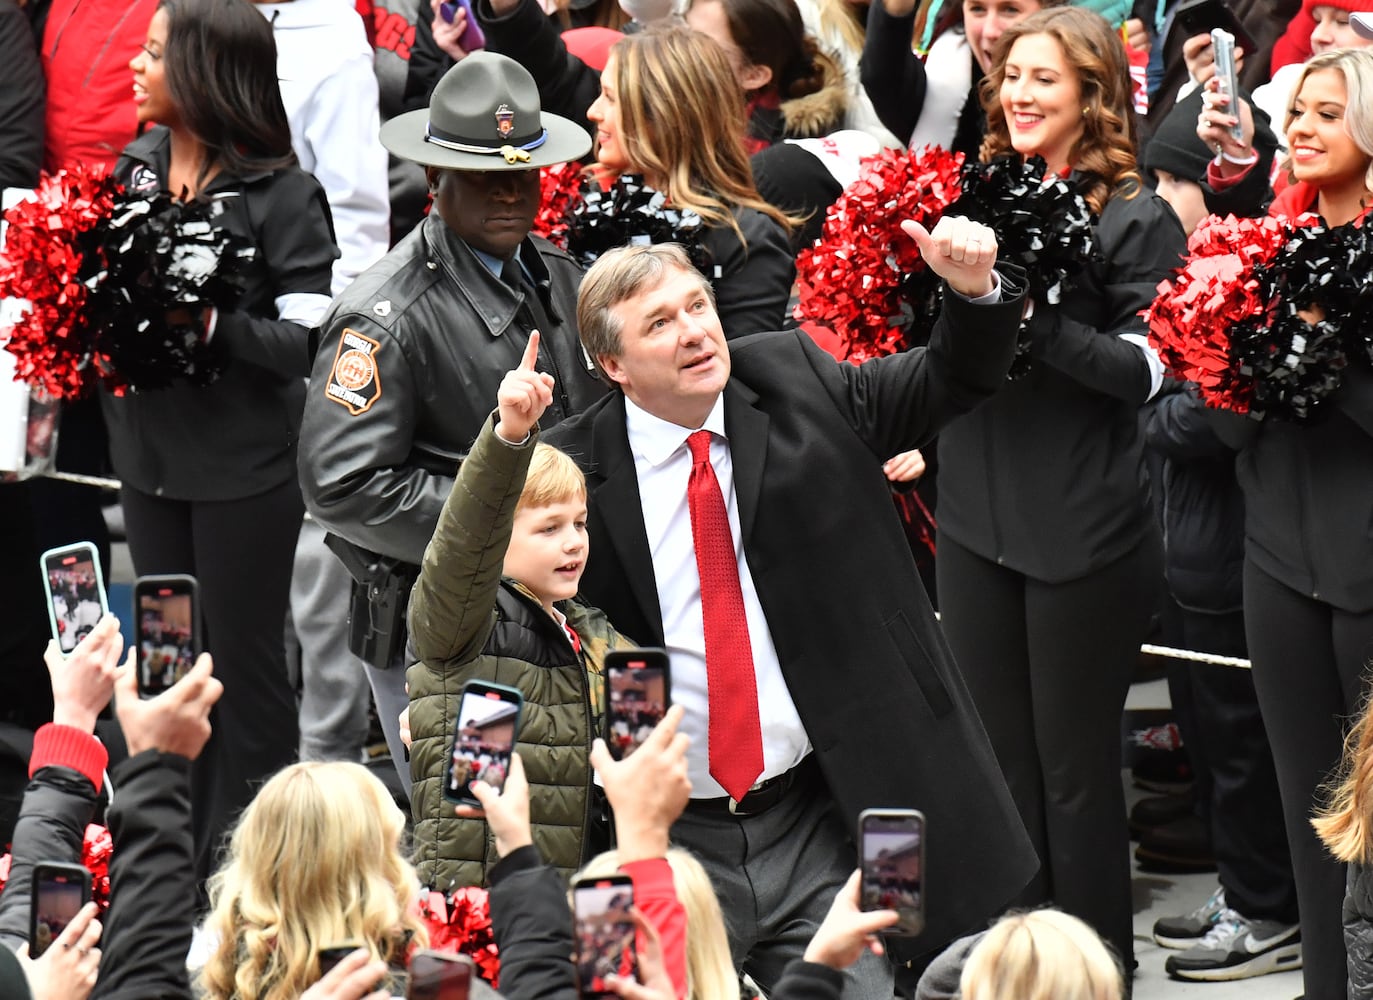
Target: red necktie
[(736, 741)]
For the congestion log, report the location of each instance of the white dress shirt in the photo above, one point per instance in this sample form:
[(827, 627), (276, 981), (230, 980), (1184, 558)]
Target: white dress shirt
[(662, 462)]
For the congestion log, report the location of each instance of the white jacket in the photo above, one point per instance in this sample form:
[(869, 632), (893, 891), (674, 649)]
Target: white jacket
[(330, 91)]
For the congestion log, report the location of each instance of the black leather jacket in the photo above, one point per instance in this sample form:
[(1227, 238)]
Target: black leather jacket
[(415, 350), (1047, 477)]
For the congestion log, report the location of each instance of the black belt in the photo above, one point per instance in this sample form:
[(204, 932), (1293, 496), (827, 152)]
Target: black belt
[(762, 796)]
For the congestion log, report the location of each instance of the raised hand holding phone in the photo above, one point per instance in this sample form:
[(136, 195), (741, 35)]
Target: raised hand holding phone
[(523, 395), (68, 969), (455, 28), (83, 682), (505, 811), (648, 790), (847, 931), (176, 721)]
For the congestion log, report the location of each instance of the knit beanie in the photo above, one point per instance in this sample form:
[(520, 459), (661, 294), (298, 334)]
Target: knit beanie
[(1351, 5), (1174, 146), (14, 985)]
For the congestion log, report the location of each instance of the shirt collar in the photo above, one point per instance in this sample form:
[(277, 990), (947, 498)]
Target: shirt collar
[(656, 440)]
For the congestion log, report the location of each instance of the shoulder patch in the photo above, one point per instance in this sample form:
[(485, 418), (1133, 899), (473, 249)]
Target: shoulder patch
[(354, 381)]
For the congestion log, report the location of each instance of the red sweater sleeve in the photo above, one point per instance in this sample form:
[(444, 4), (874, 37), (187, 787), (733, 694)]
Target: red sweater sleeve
[(656, 897), (63, 746)]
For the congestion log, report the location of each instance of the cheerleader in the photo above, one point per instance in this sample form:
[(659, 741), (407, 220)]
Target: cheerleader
[(1048, 553), (209, 472), (1308, 573)]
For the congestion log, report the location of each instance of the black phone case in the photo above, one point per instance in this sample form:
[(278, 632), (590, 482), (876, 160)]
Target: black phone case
[(179, 583), (1198, 17), (42, 873)]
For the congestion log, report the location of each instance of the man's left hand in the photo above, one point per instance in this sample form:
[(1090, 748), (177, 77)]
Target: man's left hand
[(960, 251)]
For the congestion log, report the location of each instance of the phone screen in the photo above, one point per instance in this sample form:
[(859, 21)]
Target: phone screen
[(483, 740), (57, 898), (167, 637), (76, 593), (435, 976), (639, 698), (892, 845), (604, 932)]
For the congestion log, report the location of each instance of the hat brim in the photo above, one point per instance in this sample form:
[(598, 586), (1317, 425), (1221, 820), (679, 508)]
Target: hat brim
[(1362, 25), (404, 135)]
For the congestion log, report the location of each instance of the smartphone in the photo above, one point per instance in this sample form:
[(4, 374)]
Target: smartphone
[(603, 932), (76, 592), (438, 975), (1198, 17), (639, 686), (1223, 44), (334, 954), (167, 624), (57, 893), (483, 739), (891, 854), (473, 37)]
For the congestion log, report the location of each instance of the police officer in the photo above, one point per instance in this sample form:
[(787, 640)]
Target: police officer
[(411, 354)]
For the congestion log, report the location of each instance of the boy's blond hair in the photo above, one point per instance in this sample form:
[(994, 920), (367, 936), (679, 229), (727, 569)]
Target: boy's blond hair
[(552, 478)]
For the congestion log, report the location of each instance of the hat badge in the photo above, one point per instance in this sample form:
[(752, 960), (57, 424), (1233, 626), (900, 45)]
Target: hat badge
[(505, 121)]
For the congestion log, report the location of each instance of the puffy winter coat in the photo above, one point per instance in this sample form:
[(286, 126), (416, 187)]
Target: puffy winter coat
[(467, 623)]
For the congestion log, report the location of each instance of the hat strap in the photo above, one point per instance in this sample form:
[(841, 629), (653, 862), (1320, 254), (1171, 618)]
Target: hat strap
[(512, 151)]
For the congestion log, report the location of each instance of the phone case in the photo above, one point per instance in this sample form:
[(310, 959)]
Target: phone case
[(893, 868), (174, 651), (48, 920), (80, 613), (622, 732), (473, 37), (501, 717), (604, 932), (1223, 44)]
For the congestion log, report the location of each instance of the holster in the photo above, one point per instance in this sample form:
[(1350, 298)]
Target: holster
[(378, 602)]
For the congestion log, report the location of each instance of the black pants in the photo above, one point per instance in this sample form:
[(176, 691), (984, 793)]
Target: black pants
[(241, 552), (1309, 660), (1236, 783), (1049, 665)]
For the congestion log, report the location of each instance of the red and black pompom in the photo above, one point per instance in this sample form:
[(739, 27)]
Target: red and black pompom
[(1265, 315), (117, 283)]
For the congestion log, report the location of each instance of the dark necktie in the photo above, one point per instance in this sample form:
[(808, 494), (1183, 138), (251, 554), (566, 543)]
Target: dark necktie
[(735, 737)]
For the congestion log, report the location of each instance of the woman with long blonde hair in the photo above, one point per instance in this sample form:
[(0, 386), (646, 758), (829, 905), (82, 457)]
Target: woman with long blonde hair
[(671, 110), (315, 861), (1048, 552), (1308, 567)]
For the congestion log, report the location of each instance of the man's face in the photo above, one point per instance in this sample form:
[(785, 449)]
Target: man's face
[(673, 360), (490, 210)]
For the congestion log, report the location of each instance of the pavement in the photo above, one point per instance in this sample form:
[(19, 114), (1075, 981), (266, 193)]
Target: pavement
[(1158, 895)]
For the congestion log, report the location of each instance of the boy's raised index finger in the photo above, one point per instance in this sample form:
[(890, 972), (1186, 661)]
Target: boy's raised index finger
[(531, 352)]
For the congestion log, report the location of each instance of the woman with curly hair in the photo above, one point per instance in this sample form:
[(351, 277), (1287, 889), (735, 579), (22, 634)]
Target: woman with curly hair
[(1048, 552), (314, 862)]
